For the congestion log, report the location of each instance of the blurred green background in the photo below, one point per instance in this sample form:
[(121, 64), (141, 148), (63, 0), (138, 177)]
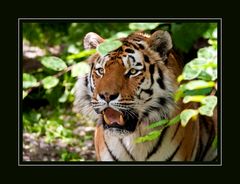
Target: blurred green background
[(53, 57)]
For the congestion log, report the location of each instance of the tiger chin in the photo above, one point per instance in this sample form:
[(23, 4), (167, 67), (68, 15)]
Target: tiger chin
[(131, 87)]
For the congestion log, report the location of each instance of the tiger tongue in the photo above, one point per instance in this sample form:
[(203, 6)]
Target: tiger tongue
[(111, 116)]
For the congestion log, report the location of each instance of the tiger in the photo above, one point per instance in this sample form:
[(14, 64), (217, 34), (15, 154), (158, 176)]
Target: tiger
[(133, 86)]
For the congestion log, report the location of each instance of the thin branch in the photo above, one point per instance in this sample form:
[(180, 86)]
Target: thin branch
[(56, 75)]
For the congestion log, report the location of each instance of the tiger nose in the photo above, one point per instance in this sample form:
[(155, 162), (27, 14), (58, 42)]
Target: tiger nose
[(108, 97)]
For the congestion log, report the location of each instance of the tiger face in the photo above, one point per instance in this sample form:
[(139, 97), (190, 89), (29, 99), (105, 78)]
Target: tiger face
[(131, 85)]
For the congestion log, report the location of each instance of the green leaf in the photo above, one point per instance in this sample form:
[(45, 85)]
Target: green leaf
[(29, 81), (208, 74), (179, 93), (159, 123), (50, 82), (197, 62), (198, 84), (215, 142), (190, 72), (208, 105), (82, 54), (64, 97), (186, 115), (211, 33), (204, 67), (184, 90), (197, 98), (207, 53), (108, 46), (180, 78), (149, 137), (24, 93), (203, 91), (54, 63), (73, 49), (174, 120), (143, 26), (214, 34), (80, 69)]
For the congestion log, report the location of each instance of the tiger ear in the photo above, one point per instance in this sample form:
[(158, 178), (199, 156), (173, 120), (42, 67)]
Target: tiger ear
[(92, 40), (161, 42)]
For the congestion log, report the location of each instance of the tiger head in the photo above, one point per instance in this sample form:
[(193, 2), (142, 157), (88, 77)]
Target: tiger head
[(131, 85)]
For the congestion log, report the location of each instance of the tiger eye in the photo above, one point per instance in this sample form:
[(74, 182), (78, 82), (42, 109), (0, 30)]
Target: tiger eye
[(133, 71), (100, 71)]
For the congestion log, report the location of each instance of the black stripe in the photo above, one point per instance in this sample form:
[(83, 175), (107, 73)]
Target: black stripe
[(209, 142), (125, 148), (205, 123), (195, 144), (146, 59), (166, 61), (157, 145), (120, 49), (160, 83), (140, 46), (138, 64), (86, 81), (129, 50), (160, 80), (145, 114), (148, 99), (90, 78), (175, 152), (135, 46), (176, 130), (141, 81), (112, 155), (144, 68), (126, 43), (153, 108), (148, 91), (132, 58), (202, 148), (199, 150), (162, 101), (160, 73), (98, 59), (151, 70)]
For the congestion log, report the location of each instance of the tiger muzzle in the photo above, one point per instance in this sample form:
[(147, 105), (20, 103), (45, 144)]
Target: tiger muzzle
[(116, 120), (112, 117)]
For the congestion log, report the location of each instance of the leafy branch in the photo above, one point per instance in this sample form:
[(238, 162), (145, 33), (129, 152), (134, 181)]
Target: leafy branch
[(56, 64), (199, 85)]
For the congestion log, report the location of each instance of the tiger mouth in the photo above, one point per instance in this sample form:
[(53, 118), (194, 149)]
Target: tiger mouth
[(119, 121)]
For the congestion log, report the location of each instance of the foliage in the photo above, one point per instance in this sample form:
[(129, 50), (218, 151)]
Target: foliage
[(185, 35), (54, 125), (204, 67), (107, 46), (153, 134), (199, 76), (29, 81), (48, 90), (53, 63), (143, 26)]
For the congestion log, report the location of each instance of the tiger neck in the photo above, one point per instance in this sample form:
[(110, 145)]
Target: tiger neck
[(128, 149)]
